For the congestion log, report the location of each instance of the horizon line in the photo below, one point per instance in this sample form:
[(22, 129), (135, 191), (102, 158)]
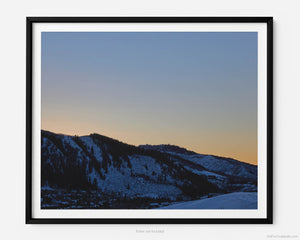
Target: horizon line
[(150, 145)]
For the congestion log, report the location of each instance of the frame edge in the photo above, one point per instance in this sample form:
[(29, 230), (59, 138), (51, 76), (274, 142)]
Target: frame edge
[(28, 213), (29, 27)]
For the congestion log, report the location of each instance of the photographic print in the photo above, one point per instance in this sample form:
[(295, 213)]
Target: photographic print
[(154, 123)]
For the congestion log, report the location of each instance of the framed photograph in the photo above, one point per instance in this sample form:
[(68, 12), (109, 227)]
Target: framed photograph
[(149, 120)]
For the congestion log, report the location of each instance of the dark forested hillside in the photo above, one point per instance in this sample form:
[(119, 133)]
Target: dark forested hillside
[(99, 172)]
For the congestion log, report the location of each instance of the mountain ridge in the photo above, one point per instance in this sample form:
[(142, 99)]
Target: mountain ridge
[(153, 146), (190, 152), (132, 175)]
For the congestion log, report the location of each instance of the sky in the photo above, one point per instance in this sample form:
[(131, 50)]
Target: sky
[(197, 90)]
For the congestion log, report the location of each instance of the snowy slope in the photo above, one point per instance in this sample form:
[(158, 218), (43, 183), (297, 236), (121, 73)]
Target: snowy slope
[(111, 167), (126, 175), (223, 165), (238, 200), (220, 165)]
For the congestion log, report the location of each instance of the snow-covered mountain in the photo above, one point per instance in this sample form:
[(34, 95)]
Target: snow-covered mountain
[(95, 171), (216, 164)]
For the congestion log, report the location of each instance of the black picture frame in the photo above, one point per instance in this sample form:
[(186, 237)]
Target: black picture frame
[(29, 118)]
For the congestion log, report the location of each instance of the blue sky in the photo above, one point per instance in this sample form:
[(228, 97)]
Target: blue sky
[(193, 89)]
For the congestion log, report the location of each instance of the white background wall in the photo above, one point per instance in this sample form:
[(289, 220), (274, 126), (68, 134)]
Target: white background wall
[(286, 116)]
